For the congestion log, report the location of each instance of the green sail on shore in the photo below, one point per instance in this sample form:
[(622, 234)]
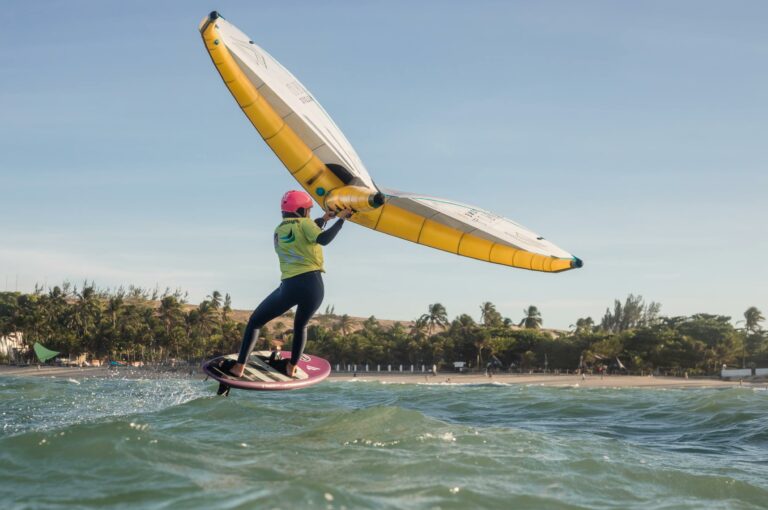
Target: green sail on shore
[(44, 354)]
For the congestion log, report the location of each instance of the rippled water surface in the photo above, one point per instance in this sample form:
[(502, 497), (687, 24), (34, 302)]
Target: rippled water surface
[(128, 443)]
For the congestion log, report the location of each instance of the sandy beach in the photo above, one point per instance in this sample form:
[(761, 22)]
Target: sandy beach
[(588, 381)]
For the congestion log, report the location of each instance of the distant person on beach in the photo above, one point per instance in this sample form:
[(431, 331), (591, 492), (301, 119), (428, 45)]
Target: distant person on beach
[(492, 365), (298, 241)]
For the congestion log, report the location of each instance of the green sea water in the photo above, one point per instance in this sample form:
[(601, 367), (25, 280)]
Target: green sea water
[(169, 443)]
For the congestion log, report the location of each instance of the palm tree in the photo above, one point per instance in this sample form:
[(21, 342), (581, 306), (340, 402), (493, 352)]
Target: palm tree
[(396, 341), (418, 329), (209, 316), (465, 334), (227, 308), (371, 327), (87, 310), (396, 330), (215, 300), (171, 316), (56, 304), (31, 319), (114, 304), (480, 344), (583, 325), (344, 324), (146, 336), (489, 316), (436, 316), (170, 313), (532, 319), (752, 319), (463, 325)]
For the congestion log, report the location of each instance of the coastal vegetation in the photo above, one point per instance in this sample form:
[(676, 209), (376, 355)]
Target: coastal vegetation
[(136, 324)]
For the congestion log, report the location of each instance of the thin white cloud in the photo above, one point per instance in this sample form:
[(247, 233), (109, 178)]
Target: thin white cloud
[(54, 266)]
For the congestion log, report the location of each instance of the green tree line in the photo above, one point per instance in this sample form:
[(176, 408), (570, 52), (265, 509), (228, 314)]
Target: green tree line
[(137, 324)]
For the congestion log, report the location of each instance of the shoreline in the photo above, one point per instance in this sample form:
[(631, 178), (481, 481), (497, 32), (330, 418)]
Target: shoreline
[(447, 378), (589, 381)]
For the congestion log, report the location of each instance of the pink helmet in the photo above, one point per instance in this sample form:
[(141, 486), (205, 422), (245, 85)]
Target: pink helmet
[(294, 200)]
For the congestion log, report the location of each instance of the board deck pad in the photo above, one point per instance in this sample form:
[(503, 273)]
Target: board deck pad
[(259, 375)]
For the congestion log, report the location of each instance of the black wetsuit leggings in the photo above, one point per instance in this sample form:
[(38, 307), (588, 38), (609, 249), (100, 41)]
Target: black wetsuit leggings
[(305, 290)]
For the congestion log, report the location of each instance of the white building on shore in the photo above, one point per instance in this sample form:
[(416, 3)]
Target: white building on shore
[(12, 346)]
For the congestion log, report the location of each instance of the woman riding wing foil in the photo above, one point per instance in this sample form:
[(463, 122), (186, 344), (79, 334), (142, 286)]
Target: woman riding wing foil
[(298, 242)]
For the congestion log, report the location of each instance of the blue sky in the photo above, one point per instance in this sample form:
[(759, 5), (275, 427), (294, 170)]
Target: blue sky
[(630, 134)]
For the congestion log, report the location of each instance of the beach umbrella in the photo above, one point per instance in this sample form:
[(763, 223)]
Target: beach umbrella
[(44, 354)]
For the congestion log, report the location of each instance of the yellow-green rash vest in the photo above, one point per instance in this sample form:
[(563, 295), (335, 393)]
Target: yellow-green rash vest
[(297, 248)]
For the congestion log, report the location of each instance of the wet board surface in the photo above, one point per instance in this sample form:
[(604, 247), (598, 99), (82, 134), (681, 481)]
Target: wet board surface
[(259, 375)]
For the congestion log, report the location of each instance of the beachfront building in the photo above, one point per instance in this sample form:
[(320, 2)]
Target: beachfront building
[(12, 346), (460, 366)]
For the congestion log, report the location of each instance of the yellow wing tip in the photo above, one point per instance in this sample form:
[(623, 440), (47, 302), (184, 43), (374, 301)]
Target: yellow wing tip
[(567, 264), (213, 16)]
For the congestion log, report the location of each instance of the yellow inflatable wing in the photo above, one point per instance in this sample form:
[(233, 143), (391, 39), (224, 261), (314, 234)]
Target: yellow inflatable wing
[(318, 155)]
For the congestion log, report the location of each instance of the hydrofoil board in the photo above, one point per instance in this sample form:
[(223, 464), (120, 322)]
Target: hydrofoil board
[(260, 375)]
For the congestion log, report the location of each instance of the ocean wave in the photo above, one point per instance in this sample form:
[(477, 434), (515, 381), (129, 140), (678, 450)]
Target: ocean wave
[(151, 444)]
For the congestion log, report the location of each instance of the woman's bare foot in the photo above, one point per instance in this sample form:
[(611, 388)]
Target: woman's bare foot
[(237, 369), (290, 369)]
